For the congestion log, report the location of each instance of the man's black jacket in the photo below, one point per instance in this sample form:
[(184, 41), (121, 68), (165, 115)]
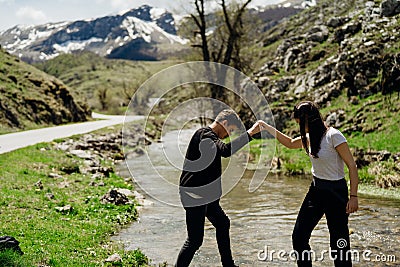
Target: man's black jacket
[(202, 166)]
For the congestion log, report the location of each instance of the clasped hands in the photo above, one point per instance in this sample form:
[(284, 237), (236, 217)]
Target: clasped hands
[(257, 127)]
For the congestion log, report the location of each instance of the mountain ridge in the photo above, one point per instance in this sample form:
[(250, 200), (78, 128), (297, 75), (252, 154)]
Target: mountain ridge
[(114, 36), (144, 33)]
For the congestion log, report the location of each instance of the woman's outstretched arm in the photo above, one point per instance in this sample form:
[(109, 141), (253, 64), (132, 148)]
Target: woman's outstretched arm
[(281, 137)]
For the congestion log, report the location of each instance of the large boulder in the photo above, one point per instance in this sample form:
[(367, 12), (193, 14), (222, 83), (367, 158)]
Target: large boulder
[(318, 34), (115, 197), (390, 8), (9, 242), (335, 22)]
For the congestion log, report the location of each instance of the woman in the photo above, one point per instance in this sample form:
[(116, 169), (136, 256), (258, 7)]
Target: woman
[(328, 193)]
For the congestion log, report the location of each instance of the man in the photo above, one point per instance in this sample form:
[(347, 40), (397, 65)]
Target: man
[(200, 184)]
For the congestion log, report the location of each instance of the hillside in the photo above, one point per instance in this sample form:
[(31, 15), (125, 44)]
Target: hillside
[(107, 84), (30, 98), (329, 51), (346, 57)]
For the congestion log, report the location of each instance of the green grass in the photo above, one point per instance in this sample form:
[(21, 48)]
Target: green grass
[(11, 258), (294, 161), (79, 237), (382, 117), (388, 139)]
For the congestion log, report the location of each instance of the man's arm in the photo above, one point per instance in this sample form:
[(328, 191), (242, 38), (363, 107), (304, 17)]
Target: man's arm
[(226, 150)]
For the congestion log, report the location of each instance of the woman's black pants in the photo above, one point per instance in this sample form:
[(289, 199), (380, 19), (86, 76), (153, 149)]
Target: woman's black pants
[(329, 198)]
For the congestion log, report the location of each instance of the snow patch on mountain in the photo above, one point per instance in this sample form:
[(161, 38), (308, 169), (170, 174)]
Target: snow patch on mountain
[(147, 30), (174, 38), (309, 3), (302, 4), (44, 56), (156, 13), (71, 46), (138, 28)]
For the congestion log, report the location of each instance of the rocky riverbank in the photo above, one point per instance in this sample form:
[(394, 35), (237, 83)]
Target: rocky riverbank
[(99, 147)]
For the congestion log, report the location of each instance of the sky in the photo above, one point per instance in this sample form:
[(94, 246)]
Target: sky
[(28, 12)]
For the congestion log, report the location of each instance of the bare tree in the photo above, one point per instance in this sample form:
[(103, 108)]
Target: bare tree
[(201, 23), (235, 29), (103, 95), (229, 44), (128, 91), (225, 44)]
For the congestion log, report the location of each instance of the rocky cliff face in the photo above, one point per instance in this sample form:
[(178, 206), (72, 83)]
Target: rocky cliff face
[(130, 35), (350, 47), (30, 98)]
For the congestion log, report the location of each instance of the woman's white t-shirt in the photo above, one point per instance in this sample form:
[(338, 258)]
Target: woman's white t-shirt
[(329, 165)]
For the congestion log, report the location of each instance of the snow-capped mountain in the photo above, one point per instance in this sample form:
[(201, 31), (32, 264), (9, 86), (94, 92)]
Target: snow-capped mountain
[(136, 34)]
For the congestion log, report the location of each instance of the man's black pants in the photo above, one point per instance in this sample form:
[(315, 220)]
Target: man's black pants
[(195, 218), (329, 198)]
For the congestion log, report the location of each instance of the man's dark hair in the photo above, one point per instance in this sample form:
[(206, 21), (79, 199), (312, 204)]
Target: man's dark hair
[(230, 116)]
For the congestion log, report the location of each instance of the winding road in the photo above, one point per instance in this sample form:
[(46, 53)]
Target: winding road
[(13, 141)]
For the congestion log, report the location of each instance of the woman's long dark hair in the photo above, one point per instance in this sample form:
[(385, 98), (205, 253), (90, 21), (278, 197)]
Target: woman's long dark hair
[(309, 116)]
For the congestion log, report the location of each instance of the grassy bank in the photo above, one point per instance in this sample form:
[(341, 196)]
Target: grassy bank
[(30, 202)]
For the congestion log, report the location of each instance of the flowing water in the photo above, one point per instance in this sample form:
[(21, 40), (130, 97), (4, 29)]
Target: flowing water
[(261, 222)]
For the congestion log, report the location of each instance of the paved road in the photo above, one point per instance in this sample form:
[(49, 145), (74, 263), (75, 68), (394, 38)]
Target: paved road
[(9, 142)]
